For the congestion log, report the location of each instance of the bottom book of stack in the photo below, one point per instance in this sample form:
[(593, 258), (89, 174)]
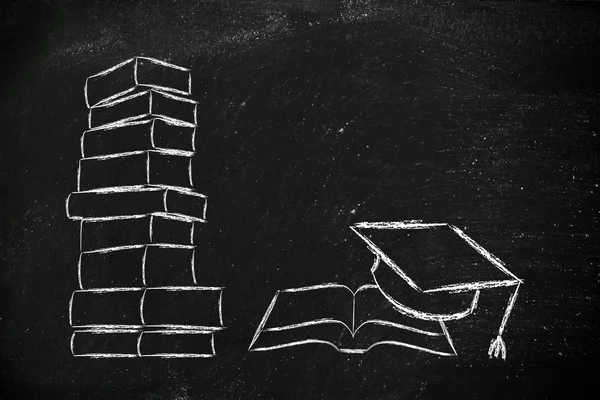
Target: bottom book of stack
[(168, 321), (166, 343)]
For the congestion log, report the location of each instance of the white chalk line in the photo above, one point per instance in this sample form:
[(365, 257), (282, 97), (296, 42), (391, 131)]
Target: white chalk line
[(106, 355), (79, 271), (127, 216), (264, 319), (142, 188), (149, 326), (396, 325), (316, 287), (193, 267), (113, 68), (183, 216), (321, 321), (148, 168), (144, 266), (152, 119), (173, 97), (150, 228), (486, 254), (142, 306), (163, 89), (194, 140), (121, 100), (190, 172), (192, 232), (140, 246), (511, 303), (103, 73), (473, 286), (408, 224), (382, 256), (447, 334), (161, 151), (164, 64), (351, 351), (152, 133), (79, 175), (428, 316), (221, 307)]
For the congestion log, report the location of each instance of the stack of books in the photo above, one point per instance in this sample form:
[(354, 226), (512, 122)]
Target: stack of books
[(138, 294)]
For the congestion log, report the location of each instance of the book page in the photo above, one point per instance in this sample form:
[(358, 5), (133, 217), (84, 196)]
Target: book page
[(377, 322), (317, 314), (322, 304)]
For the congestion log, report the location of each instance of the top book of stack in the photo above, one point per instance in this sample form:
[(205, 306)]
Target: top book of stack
[(137, 72)]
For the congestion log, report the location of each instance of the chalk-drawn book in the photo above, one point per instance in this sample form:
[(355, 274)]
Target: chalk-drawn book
[(128, 201), (349, 321), (136, 230), (128, 343), (149, 103), (135, 72), (137, 266), (185, 307), (147, 134), (151, 167)]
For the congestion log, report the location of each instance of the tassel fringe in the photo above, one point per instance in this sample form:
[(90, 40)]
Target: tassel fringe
[(497, 348)]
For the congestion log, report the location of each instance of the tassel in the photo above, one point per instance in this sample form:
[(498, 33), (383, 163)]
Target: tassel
[(497, 348)]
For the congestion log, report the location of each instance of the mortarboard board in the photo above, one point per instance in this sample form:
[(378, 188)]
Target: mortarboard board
[(434, 271)]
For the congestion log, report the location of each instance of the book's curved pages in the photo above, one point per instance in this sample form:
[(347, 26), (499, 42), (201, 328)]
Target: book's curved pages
[(349, 321)]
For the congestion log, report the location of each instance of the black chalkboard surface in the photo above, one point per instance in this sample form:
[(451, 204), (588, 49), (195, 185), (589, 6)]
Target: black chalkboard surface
[(302, 120)]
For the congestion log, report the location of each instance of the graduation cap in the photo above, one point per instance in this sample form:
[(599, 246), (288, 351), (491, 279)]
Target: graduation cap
[(434, 271)]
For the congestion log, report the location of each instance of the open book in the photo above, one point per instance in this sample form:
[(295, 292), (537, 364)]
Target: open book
[(350, 321)]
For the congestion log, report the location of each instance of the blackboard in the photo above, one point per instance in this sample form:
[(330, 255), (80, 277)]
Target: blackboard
[(314, 116)]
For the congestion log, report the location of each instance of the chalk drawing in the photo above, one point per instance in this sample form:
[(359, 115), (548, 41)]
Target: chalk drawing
[(427, 336), (138, 211), (475, 270), (441, 271)]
